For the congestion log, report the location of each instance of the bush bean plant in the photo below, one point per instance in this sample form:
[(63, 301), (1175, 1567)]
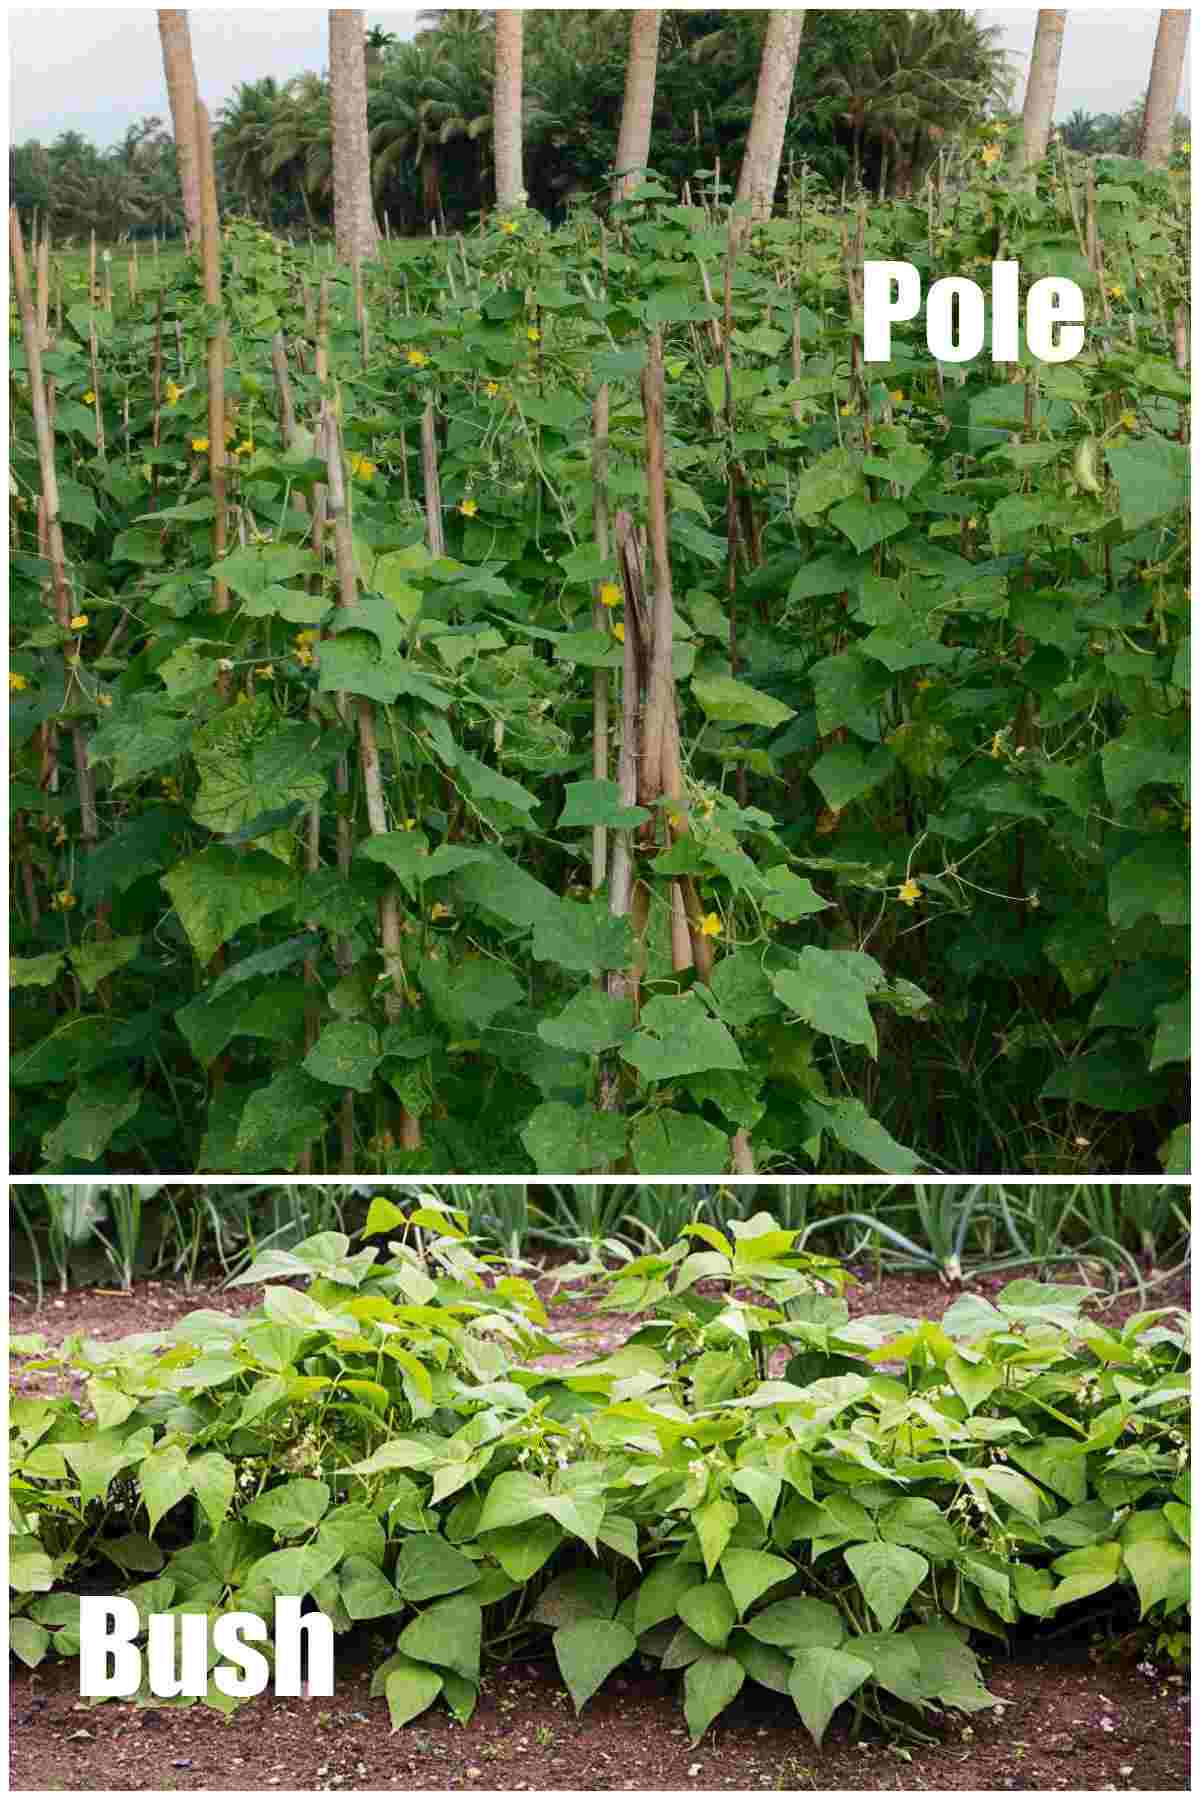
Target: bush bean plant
[(851, 1527), (388, 800)]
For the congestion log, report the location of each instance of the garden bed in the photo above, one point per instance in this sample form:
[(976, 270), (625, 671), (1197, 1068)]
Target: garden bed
[(1068, 1715)]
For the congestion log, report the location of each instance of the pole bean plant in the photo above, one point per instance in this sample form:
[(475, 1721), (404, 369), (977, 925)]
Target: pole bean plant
[(753, 1489), (543, 703)]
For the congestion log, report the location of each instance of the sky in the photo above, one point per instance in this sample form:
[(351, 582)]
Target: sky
[(97, 70)]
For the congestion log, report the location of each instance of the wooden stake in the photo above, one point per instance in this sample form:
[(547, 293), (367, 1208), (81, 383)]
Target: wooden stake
[(210, 253)]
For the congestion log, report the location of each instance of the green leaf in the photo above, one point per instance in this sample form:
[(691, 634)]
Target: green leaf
[(895, 1663), (789, 897), (582, 936), (920, 1525), (579, 1594), (573, 1140), (709, 1611), (28, 1641), (1153, 879), (249, 764), (740, 986), (821, 1680), (1161, 1571), (733, 702), (470, 996), (674, 1143), (834, 476), (214, 1482), (829, 992), (219, 891), (678, 1037), (799, 1624), (848, 771), (709, 1685), (94, 961), (749, 1573), (888, 1575), (410, 1687), (1152, 475), (165, 1478), (293, 1509), (714, 1524), (428, 1567), (346, 1055), (599, 803), (355, 663), (588, 1652), (1086, 1571), (448, 1633), (867, 524), (36, 971), (366, 1592), (97, 1109), (659, 1595), (279, 1121), (590, 1022)]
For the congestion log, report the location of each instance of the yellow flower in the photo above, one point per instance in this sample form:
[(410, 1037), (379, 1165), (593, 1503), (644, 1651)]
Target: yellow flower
[(468, 508), (245, 449), (416, 359), (16, 683), (266, 672), (610, 594), (89, 397), (910, 893), (79, 622), (64, 900), (103, 699), (534, 335), (710, 925), (1186, 147), (304, 656), (897, 396), (990, 154), (1116, 291), (173, 393), (844, 409), (619, 631), (438, 911), (363, 467), (508, 226), (1128, 420), (307, 637), (923, 684), (491, 389), (200, 443), (408, 824), (997, 748)]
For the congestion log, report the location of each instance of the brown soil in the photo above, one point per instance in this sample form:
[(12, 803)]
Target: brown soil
[(1065, 1718)]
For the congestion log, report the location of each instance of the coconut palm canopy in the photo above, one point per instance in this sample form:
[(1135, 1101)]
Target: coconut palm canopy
[(875, 93)]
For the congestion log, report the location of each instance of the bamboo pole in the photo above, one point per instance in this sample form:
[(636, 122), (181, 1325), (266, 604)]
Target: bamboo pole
[(49, 513), (390, 927), (210, 252), (600, 683)]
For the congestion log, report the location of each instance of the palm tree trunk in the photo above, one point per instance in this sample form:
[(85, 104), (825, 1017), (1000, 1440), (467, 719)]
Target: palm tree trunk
[(641, 70), (772, 102), (1166, 71), (506, 110), (1041, 90), (353, 214), (181, 89)]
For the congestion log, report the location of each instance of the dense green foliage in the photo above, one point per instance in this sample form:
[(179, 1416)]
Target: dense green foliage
[(934, 795), (876, 95), (379, 1440)]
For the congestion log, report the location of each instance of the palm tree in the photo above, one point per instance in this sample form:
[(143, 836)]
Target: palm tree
[(424, 101), (301, 140), (506, 110), (1042, 86), (1166, 72), (181, 90), (353, 214), (245, 143), (772, 103), (637, 114)]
